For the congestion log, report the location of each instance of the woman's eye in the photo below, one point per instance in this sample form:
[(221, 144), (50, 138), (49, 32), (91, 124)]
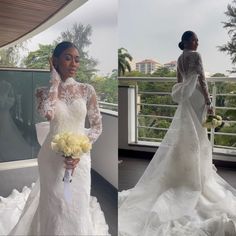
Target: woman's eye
[(77, 60), (68, 58)]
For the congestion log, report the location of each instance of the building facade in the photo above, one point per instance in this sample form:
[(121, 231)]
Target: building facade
[(171, 65), (147, 66)]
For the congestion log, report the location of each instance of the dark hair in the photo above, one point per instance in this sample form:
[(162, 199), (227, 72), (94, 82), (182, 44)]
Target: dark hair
[(185, 37), (61, 47)]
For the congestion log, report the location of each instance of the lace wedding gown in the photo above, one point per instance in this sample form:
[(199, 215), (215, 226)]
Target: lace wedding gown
[(46, 212), (180, 192)]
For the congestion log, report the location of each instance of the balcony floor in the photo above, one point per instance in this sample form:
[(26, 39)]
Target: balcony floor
[(107, 197), (131, 169)]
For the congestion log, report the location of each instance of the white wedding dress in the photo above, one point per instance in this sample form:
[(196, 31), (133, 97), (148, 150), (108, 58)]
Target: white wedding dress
[(180, 192), (46, 211)]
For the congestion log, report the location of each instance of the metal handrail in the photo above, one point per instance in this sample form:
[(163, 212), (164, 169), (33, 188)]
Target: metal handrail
[(173, 79), (110, 106), (135, 81), (108, 103)]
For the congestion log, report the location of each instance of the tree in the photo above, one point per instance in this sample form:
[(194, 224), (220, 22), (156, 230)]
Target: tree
[(218, 75), (39, 59), (106, 87), (10, 57), (164, 72), (135, 73), (153, 119), (124, 59), (230, 46), (221, 88), (228, 114), (80, 36)]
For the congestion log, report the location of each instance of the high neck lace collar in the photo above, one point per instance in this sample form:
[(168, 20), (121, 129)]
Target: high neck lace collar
[(189, 50), (68, 81)]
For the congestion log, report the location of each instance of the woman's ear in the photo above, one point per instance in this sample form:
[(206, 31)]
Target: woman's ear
[(55, 62)]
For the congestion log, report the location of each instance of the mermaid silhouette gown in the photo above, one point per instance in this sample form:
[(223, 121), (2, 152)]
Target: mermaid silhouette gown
[(46, 212), (180, 192)]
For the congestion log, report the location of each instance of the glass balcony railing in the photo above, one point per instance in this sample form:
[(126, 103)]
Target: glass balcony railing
[(108, 106), (18, 112), (154, 110)]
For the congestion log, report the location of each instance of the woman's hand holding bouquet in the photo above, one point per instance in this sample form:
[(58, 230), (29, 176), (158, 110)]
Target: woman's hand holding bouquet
[(71, 146), (212, 120)]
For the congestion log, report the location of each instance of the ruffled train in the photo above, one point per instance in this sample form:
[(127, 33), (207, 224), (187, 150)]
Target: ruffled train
[(11, 209), (213, 214)]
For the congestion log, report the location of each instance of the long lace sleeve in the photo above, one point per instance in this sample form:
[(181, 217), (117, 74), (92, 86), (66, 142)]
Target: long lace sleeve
[(179, 76), (46, 98), (202, 79), (94, 115)]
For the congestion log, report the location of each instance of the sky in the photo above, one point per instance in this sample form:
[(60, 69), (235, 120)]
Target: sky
[(153, 29), (102, 16)]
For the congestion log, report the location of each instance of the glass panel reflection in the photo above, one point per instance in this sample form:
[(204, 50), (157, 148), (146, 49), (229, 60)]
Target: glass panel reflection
[(18, 113)]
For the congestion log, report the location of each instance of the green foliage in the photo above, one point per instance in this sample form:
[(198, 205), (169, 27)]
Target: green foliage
[(227, 115), (106, 87), (123, 61), (164, 72), (218, 75), (230, 25), (162, 99), (10, 57), (148, 116), (135, 73), (225, 140), (39, 58), (80, 36)]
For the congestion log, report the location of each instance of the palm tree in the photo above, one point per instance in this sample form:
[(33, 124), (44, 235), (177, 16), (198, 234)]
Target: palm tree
[(124, 59), (230, 25)]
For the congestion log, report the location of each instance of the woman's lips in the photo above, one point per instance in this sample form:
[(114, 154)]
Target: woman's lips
[(72, 70)]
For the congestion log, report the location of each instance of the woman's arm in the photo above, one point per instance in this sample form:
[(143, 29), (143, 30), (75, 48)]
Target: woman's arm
[(179, 76), (94, 115), (47, 98), (202, 80)]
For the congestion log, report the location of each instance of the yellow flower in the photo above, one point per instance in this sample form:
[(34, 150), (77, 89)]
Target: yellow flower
[(212, 121), (70, 144), (218, 117)]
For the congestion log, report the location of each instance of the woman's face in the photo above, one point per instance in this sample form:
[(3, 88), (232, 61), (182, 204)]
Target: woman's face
[(192, 43), (67, 63)]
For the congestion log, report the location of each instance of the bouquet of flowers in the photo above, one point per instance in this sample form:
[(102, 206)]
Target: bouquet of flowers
[(212, 121), (70, 145)]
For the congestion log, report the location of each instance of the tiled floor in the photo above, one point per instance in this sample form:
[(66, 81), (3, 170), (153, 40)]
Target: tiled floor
[(131, 169)]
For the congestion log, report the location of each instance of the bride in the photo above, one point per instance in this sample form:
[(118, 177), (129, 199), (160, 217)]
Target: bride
[(180, 192), (65, 104)]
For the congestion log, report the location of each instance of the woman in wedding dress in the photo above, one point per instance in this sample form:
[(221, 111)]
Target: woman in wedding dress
[(65, 104), (180, 192)]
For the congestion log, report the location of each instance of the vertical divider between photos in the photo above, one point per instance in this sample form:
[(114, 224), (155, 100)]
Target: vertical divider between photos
[(214, 105), (136, 113)]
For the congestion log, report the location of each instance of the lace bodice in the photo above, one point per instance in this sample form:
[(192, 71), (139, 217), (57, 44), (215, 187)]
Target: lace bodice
[(190, 63), (66, 105)]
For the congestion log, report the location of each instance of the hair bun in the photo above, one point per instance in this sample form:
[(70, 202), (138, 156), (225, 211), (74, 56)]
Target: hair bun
[(181, 45)]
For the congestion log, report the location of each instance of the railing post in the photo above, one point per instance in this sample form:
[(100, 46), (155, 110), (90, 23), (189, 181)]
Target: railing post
[(136, 112), (214, 105)]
